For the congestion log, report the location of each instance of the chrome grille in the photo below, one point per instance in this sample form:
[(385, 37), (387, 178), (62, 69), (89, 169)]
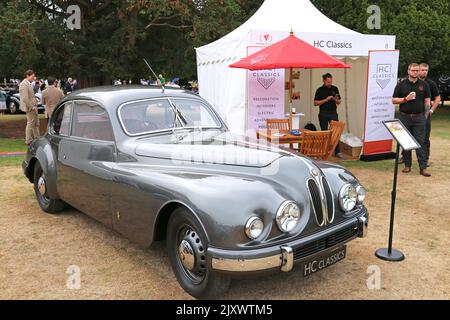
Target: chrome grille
[(332, 240), (330, 200), (316, 201), (322, 200)]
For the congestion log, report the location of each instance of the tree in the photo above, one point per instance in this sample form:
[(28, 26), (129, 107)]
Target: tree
[(422, 28), (116, 35)]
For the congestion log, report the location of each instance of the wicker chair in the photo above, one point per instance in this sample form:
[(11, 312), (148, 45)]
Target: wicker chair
[(315, 144), (336, 128)]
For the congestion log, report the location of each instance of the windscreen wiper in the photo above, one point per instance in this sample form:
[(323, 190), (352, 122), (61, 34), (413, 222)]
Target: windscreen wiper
[(178, 115)]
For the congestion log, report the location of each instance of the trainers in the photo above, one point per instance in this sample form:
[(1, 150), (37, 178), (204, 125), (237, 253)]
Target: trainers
[(340, 155), (406, 170)]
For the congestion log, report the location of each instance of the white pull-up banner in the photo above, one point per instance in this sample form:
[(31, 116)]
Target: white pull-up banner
[(381, 82), (265, 95)]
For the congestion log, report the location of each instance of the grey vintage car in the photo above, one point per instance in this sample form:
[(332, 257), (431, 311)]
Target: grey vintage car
[(161, 165)]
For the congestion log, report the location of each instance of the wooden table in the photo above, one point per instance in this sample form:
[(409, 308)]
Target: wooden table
[(271, 137)]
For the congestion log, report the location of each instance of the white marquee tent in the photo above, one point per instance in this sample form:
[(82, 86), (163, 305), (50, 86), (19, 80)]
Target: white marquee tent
[(226, 88)]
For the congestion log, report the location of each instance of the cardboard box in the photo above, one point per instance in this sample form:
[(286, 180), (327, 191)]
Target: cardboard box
[(353, 152)]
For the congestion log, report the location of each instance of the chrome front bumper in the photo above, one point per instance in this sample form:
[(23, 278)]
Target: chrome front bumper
[(283, 260)]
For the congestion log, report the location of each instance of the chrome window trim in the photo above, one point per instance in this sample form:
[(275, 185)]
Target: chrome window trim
[(84, 138), (52, 120), (216, 117), (168, 99)]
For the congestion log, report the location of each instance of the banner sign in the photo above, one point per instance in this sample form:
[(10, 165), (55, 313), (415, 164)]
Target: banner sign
[(338, 45), (266, 95), (381, 82)]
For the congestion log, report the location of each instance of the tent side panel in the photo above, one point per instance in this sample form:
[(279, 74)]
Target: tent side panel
[(225, 89)]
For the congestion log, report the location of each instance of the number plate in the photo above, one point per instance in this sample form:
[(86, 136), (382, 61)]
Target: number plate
[(323, 261)]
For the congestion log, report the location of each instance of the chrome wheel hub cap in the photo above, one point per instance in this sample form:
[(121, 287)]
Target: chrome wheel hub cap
[(42, 186), (186, 254)]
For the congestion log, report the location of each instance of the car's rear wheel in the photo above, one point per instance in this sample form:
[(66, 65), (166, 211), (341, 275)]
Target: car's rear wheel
[(187, 247), (46, 203)]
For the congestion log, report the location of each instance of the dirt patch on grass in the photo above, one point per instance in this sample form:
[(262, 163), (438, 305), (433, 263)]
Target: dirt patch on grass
[(36, 249)]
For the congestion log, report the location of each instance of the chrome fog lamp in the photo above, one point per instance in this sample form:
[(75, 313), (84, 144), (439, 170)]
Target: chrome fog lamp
[(254, 227), (348, 197), (361, 191), (288, 216)]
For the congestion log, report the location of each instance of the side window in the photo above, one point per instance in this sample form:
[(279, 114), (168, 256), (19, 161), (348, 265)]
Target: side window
[(91, 121), (61, 124)]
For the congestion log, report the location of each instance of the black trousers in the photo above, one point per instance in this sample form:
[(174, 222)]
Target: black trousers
[(416, 125), (427, 143), (324, 120)]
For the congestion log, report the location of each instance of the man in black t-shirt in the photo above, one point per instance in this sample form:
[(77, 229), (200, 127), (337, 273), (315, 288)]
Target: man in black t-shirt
[(413, 96), (435, 101), (328, 98)]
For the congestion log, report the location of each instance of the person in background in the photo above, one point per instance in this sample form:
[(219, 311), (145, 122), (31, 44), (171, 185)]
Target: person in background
[(28, 104), (435, 101), (42, 86), (328, 98), (50, 98), (161, 80), (69, 86), (2, 103), (413, 96), (62, 84), (36, 85)]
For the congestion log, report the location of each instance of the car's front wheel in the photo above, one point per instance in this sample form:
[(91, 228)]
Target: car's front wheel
[(187, 247), (46, 203)]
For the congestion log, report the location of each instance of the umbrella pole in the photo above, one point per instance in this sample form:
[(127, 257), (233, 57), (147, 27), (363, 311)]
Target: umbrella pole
[(290, 99)]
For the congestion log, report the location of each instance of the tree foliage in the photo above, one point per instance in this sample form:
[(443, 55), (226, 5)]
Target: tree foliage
[(116, 35), (422, 27)]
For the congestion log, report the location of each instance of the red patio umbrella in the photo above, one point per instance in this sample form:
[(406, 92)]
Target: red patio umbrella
[(289, 53)]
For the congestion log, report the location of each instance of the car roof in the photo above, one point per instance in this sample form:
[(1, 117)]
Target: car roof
[(113, 96)]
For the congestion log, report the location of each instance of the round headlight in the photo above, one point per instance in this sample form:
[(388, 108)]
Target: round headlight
[(254, 227), (288, 216), (348, 197), (361, 194)]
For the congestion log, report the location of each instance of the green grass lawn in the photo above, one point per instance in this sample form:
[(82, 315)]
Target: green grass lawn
[(16, 117), (12, 145), (11, 162)]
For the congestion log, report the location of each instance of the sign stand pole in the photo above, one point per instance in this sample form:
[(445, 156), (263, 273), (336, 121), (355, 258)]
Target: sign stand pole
[(390, 254)]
